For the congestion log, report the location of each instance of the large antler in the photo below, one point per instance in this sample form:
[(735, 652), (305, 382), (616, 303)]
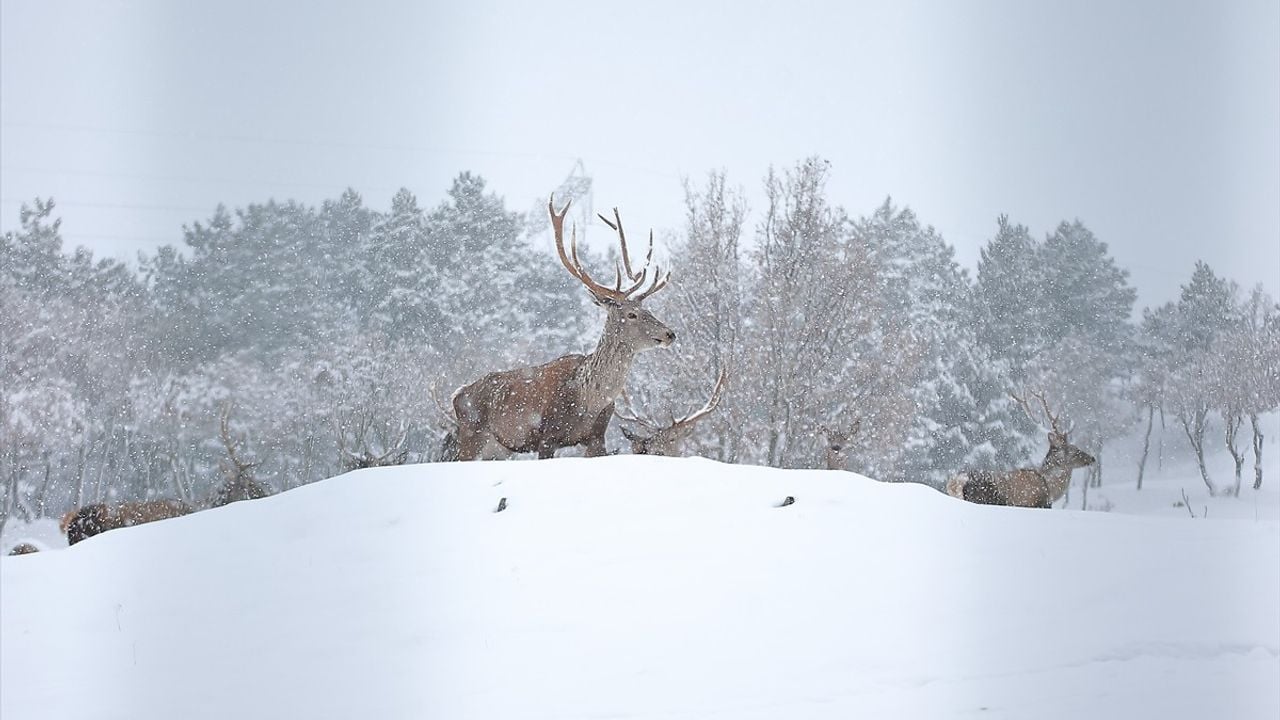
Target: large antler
[(445, 409), (233, 445), (676, 425), (394, 452), (716, 393), (1054, 421), (571, 262)]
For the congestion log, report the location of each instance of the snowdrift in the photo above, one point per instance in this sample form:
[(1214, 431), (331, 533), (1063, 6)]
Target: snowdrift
[(638, 587)]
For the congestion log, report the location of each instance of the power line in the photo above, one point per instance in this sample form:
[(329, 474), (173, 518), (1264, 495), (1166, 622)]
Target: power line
[(333, 143), (181, 178), (260, 139), (115, 206)]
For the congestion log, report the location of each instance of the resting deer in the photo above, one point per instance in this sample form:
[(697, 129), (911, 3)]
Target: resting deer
[(568, 401), (238, 480), (839, 444), (654, 439), (98, 518), (1027, 487), (394, 452)]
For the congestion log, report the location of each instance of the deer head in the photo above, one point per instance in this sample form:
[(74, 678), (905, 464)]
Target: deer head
[(392, 452), (628, 324), (650, 438), (838, 444), (1062, 454)]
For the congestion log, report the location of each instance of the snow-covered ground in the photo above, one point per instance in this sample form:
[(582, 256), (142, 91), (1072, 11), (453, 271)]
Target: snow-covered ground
[(637, 587)]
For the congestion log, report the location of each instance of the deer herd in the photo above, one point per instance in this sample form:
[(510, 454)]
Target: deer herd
[(570, 402)]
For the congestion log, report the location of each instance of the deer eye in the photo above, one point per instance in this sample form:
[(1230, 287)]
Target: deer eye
[(632, 316)]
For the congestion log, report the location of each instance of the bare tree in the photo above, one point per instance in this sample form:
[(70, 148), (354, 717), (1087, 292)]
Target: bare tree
[(1190, 401), (1259, 364)]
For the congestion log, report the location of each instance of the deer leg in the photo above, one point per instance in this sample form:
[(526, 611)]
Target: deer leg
[(470, 443), (595, 448), (595, 443), (494, 450)]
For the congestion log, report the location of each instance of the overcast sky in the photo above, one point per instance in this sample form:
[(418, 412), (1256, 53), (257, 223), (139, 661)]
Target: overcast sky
[(1155, 123)]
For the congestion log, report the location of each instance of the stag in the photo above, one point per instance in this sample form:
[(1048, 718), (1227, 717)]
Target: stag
[(1037, 487), (238, 480), (568, 401), (839, 441), (650, 438)]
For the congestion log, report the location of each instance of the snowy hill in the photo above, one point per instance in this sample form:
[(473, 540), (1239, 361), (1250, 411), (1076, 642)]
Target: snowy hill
[(635, 587)]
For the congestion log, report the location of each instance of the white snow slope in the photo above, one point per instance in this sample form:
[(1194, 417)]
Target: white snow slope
[(635, 587)]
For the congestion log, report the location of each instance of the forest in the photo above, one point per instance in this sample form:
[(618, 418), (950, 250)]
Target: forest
[(294, 342)]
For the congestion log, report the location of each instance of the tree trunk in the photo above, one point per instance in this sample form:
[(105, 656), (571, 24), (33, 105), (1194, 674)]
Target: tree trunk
[(1084, 489), (1193, 426), (41, 500), (177, 470), (1257, 451), (1233, 422), (1160, 453), (6, 507), (78, 496), (1146, 444)]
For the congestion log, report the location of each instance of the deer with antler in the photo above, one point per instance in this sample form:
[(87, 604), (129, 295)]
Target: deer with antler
[(1037, 487), (650, 438), (570, 400), (238, 477), (393, 452)]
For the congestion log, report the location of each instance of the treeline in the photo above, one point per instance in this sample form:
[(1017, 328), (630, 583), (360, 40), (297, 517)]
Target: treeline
[(323, 329)]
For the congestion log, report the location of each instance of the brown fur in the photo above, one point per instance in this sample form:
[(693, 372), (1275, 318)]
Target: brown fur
[(555, 414), (98, 518), (24, 549)]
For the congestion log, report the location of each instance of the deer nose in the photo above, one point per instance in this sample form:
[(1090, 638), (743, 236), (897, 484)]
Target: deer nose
[(671, 336)]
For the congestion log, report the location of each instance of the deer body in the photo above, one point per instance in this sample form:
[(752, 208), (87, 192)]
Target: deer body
[(1026, 487), (557, 404), (568, 401), (98, 518)]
